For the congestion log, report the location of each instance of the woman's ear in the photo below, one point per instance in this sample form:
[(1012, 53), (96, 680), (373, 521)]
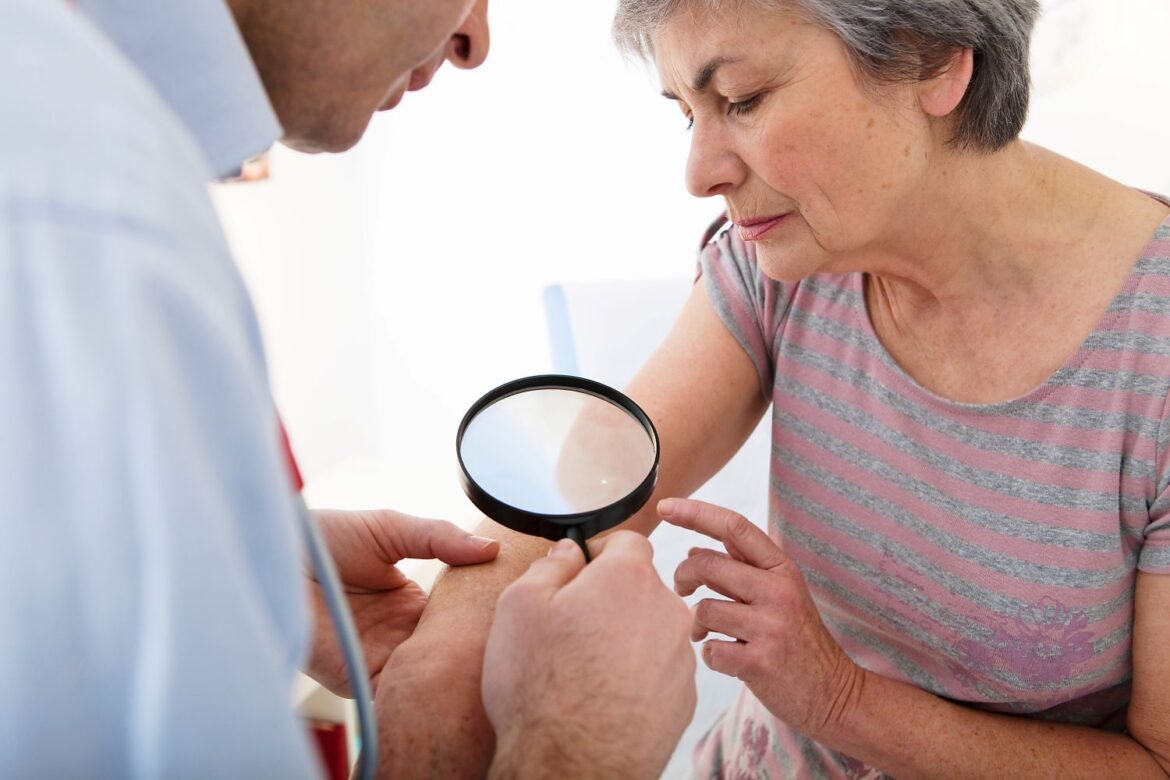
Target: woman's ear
[(941, 94)]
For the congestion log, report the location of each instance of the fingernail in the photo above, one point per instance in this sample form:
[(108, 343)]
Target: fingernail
[(562, 548), (666, 506), (481, 541)]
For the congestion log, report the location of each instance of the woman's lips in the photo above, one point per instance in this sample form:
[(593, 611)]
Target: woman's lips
[(755, 229)]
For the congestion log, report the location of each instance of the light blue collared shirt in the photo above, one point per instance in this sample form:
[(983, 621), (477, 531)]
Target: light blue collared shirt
[(152, 608), (192, 53)]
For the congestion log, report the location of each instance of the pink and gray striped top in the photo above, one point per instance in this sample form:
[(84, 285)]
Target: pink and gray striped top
[(985, 553)]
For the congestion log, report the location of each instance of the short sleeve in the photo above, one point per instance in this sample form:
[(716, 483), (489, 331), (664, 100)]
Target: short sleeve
[(751, 305), (1155, 550), (1155, 554)]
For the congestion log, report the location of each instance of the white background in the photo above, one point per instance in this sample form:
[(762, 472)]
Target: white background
[(399, 281)]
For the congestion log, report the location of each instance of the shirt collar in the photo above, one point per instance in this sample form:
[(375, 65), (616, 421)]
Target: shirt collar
[(193, 54)]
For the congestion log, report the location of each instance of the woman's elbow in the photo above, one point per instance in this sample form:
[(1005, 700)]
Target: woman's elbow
[(1154, 736)]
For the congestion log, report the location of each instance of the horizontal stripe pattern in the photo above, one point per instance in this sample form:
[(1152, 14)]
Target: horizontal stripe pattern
[(986, 553)]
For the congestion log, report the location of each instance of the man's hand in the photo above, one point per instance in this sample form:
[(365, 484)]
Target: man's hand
[(385, 604), (588, 670), (430, 708)]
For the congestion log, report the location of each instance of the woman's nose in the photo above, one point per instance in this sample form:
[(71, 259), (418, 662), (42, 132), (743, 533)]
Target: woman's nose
[(712, 166)]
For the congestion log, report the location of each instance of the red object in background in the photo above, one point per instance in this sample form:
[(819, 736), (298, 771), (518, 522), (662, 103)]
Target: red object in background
[(293, 470), (330, 739)]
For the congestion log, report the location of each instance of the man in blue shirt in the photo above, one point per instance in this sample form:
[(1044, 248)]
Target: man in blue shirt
[(152, 601)]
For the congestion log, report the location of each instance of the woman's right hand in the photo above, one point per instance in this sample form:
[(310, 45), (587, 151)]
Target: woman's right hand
[(781, 649)]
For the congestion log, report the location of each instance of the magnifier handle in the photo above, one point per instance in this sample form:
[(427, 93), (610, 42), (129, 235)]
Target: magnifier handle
[(574, 532)]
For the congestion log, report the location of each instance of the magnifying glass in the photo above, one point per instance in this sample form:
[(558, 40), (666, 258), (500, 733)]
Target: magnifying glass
[(557, 456)]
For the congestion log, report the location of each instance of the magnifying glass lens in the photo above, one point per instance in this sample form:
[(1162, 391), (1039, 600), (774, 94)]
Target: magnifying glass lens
[(557, 456), (556, 452)]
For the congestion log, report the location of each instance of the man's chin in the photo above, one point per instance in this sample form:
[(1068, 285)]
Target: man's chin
[(330, 137)]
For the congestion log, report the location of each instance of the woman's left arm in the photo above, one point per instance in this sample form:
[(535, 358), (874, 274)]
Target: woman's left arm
[(788, 659), (1148, 720)]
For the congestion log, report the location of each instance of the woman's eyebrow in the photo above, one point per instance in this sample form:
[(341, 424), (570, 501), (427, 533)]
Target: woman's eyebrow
[(704, 75)]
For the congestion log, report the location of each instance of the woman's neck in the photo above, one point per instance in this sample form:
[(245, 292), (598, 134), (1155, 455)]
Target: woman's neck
[(988, 229), (1009, 264)]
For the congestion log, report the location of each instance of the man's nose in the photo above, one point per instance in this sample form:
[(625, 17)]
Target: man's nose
[(468, 47)]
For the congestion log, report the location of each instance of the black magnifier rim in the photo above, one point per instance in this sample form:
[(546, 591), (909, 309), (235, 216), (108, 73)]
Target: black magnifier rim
[(556, 526)]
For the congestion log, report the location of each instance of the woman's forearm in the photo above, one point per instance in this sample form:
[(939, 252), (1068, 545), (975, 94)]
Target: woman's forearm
[(430, 710), (909, 733)]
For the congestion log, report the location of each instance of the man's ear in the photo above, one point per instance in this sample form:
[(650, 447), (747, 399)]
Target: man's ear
[(941, 94)]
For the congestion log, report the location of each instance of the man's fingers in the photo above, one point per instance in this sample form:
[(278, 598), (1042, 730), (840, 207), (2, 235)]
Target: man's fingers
[(742, 538), (552, 572), (402, 536), (565, 561), (622, 544)]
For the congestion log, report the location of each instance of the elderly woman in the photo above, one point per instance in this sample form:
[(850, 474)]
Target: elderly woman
[(965, 342)]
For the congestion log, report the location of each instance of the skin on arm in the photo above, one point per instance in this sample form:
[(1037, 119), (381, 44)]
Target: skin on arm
[(385, 604), (702, 392), (900, 729), (1148, 719)]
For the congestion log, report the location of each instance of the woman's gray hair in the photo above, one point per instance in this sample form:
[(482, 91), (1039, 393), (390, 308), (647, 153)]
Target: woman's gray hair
[(896, 41)]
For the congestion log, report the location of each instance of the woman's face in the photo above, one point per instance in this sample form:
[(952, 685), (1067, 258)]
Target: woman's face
[(816, 169)]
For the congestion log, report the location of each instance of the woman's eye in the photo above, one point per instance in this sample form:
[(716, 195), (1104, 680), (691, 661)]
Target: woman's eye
[(734, 108), (743, 106)]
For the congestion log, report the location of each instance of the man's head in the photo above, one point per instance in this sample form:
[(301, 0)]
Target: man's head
[(328, 65)]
